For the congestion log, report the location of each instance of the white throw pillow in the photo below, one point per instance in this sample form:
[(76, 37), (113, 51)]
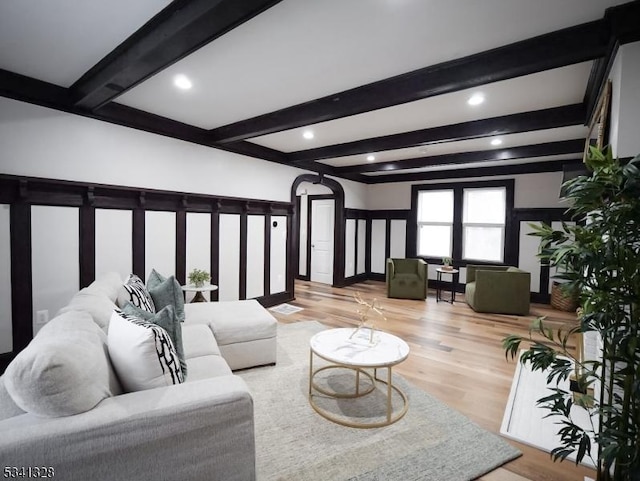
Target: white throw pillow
[(135, 292), (142, 353)]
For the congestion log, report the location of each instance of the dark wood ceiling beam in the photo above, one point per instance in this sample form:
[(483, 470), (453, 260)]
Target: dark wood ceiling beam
[(508, 124), (529, 168), (557, 49), (523, 152), (178, 30), (28, 89)]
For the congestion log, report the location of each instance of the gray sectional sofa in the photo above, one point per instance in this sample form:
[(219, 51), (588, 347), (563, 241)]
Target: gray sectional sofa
[(62, 406)]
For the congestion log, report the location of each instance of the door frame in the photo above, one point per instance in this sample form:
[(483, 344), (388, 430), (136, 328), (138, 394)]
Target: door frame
[(310, 199), (338, 230)]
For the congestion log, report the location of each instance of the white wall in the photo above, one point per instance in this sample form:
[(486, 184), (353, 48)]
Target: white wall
[(160, 243), (114, 241), (77, 148), (229, 275), (198, 243), (530, 190), (362, 246), (397, 248), (350, 248), (6, 340), (378, 245), (255, 256), (625, 106), (278, 279), (302, 254), (55, 254)]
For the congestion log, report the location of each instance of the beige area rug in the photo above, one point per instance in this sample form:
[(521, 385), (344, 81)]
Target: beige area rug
[(293, 442)]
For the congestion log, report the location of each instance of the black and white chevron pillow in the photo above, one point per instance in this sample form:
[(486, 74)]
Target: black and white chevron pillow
[(138, 294), (142, 353)]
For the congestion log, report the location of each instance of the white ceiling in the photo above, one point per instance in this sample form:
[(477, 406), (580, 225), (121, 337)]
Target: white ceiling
[(551, 88), (491, 163), (470, 145), (59, 40), (301, 50)]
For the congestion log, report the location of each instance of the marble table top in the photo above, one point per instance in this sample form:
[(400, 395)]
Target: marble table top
[(337, 345)]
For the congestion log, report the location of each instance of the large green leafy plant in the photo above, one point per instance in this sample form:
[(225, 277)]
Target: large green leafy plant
[(600, 258)]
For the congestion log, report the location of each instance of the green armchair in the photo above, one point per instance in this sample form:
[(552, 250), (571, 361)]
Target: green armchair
[(499, 289), (407, 278)]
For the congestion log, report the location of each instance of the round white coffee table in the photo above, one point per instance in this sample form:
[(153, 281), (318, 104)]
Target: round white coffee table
[(343, 350), (199, 290)]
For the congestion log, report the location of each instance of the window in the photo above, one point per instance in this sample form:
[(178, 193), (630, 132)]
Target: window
[(467, 221), (435, 223), (483, 224)]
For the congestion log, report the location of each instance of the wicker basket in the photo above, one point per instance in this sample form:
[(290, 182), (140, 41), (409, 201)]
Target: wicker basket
[(561, 301)]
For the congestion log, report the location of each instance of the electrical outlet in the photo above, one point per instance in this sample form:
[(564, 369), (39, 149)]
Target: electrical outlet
[(42, 317)]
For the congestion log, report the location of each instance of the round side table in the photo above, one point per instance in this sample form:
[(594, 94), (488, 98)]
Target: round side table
[(199, 290), (454, 284)]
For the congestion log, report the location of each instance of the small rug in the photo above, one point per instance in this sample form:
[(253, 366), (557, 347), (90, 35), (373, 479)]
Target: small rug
[(525, 421), (293, 442), (286, 309)]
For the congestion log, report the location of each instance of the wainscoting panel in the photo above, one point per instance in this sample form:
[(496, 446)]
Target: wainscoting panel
[(398, 238), (527, 259), (229, 275), (303, 216), (114, 252), (378, 246), (255, 256), (278, 254), (160, 243), (55, 258), (198, 242), (361, 267), (350, 248), (6, 330)]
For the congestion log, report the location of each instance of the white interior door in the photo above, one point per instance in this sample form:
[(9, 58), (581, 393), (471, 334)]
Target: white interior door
[(322, 224)]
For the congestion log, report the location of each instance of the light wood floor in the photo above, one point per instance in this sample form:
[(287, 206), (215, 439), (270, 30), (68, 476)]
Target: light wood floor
[(456, 356)]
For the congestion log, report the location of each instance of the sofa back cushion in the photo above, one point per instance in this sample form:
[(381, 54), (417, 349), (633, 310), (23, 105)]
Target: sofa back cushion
[(8, 408), (64, 370), (98, 299)]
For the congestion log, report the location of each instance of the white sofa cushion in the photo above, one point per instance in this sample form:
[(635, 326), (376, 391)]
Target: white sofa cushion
[(233, 321), (97, 305), (64, 370), (142, 353), (198, 340), (108, 284), (205, 367)]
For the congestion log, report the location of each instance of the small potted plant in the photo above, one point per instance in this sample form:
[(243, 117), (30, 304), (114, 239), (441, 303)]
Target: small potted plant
[(446, 264), (198, 277)]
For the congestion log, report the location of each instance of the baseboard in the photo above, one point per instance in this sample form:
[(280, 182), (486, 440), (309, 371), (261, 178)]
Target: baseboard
[(354, 279), (275, 299), (374, 276)]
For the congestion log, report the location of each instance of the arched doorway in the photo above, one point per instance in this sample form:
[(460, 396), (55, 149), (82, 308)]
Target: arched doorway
[(337, 193)]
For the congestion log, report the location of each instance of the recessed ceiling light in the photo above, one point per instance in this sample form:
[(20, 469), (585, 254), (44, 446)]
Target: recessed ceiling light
[(307, 134), (496, 142), (182, 82), (476, 99), (371, 158)]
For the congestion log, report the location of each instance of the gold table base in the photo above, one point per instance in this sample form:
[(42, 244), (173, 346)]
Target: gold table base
[(357, 394)]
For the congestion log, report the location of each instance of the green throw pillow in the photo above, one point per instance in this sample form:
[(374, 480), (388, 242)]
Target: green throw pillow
[(166, 291), (165, 318)]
